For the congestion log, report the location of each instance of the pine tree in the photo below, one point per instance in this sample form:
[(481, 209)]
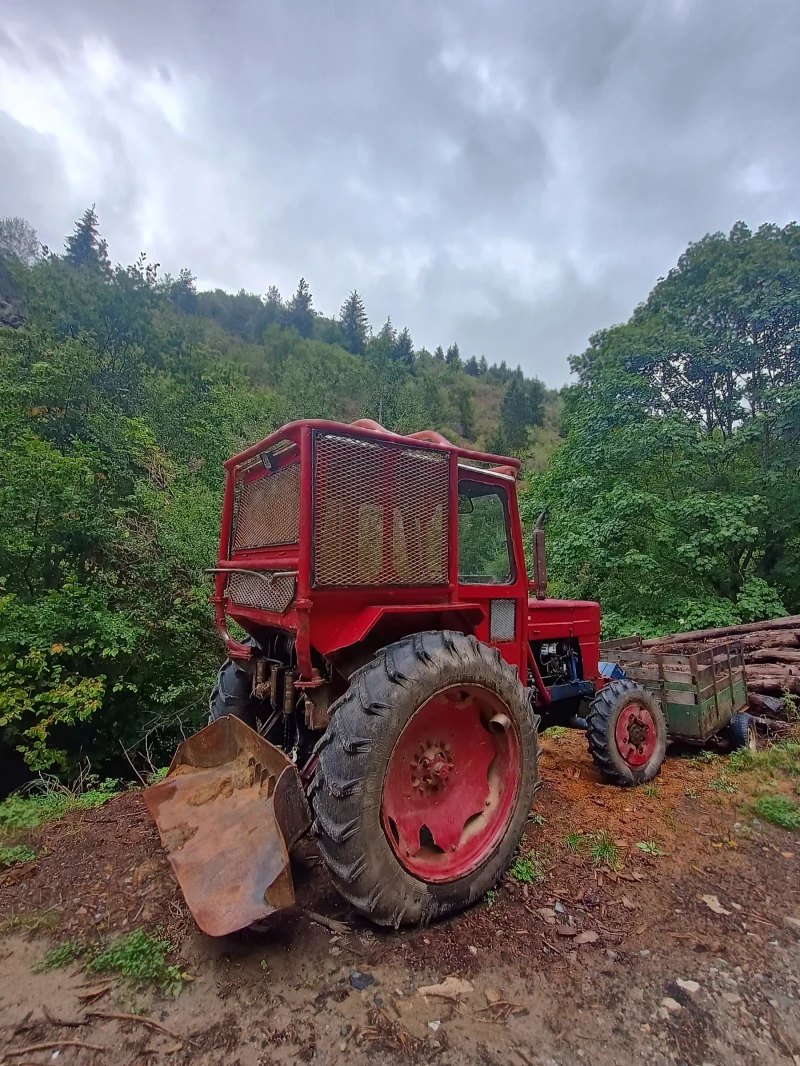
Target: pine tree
[(404, 348), (471, 366), (274, 308), (453, 357), (86, 248), (521, 408), (355, 324), (300, 312), (483, 366), (439, 353), (183, 292)]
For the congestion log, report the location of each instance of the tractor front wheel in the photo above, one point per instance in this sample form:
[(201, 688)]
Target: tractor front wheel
[(627, 733), (426, 775), (233, 694)]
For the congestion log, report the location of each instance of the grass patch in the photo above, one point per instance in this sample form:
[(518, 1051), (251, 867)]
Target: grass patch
[(779, 810), (62, 955), (603, 851), (555, 732), (527, 869), (723, 783), (491, 897), (573, 842), (783, 757), (702, 758), (141, 958), (48, 800), (19, 853), (651, 790), (30, 922)]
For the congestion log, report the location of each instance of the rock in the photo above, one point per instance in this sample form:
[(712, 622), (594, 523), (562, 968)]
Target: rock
[(566, 930), (637, 994), (671, 1005), (793, 922), (588, 936), (559, 908), (688, 986), (472, 949), (450, 988), (492, 996), (434, 1025), (713, 904), (548, 914), (731, 997), (360, 980)]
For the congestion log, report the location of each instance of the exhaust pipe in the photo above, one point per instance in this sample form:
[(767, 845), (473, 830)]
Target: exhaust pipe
[(539, 559)]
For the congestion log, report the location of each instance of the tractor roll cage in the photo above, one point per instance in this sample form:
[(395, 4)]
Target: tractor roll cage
[(297, 558)]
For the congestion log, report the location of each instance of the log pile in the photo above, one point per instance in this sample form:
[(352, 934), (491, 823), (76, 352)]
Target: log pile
[(771, 655)]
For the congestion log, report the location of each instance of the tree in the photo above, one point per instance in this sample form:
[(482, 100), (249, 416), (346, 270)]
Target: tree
[(453, 357), (86, 248), (483, 366), (521, 408), (18, 240), (184, 292), (465, 406), (355, 324), (404, 348), (471, 367), (274, 309), (300, 312), (438, 354)]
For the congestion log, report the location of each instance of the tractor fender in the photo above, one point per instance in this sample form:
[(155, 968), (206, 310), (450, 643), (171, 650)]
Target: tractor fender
[(332, 634)]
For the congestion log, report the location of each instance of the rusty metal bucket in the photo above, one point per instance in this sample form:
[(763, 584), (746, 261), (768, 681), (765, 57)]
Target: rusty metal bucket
[(227, 812)]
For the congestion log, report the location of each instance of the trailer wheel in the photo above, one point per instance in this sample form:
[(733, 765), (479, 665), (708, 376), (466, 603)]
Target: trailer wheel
[(627, 733), (425, 778), (743, 732), (232, 694)]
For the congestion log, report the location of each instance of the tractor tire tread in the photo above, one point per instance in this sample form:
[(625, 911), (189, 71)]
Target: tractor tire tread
[(347, 788), (598, 729)]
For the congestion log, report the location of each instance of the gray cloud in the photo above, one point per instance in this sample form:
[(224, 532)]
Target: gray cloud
[(513, 175)]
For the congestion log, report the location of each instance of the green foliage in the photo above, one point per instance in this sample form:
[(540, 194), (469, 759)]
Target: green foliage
[(650, 847), (650, 790), (779, 810), (555, 732), (528, 869), (573, 841), (603, 851), (47, 800), (10, 856), (675, 498), (121, 394), (491, 897), (782, 757), (141, 958), (63, 954)]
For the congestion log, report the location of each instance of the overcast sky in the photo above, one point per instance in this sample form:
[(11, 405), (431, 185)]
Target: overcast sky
[(511, 174)]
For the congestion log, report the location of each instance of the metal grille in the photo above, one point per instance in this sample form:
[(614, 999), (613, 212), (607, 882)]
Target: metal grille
[(503, 620), (381, 513), (268, 510), (265, 590)]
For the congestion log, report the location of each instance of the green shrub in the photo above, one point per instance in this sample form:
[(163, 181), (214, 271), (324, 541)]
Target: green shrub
[(18, 853), (779, 810), (527, 869), (62, 955), (141, 958)]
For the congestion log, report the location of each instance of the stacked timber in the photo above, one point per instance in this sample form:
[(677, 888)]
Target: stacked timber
[(771, 655)]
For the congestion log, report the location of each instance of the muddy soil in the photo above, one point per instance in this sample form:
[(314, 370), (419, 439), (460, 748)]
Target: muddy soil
[(587, 966)]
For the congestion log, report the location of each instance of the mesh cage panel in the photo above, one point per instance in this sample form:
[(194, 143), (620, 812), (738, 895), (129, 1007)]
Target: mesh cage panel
[(267, 593), (268, 510), (503, 620), (381, 513)]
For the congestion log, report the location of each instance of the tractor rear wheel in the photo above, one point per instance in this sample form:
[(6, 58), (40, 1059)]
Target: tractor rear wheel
[(743, 732), (425, 777), (627, 733)]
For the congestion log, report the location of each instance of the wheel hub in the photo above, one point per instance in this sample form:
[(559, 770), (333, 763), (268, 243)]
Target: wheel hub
[(430, 769), (451, 784), (635, 734)]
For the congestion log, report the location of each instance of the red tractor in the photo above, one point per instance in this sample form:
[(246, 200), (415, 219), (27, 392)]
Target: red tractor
[(388, 682)]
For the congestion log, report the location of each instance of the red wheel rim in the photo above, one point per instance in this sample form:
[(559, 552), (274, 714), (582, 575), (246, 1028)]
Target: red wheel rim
[(452, 783), (636, 734)]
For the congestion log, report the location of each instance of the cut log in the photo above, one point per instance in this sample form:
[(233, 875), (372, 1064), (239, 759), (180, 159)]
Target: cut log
[(773, 686), (773, 655), (767, 706), (790, 622)]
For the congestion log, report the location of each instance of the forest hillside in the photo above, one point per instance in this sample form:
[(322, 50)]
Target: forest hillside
[(668, 470)]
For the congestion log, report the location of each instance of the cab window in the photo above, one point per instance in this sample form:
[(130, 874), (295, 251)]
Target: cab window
[(484, 553)]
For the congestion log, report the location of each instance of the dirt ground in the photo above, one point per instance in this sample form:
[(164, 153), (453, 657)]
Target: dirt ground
[(587, 967)]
